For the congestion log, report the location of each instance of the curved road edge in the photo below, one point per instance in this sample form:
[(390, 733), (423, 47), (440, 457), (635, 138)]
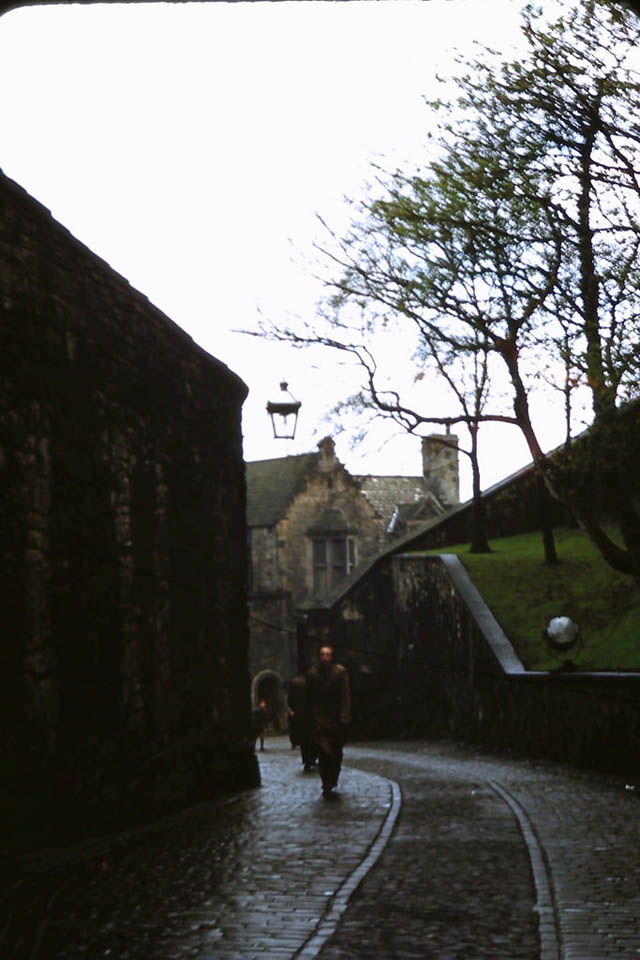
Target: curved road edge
[(550, 942), (340, 901)]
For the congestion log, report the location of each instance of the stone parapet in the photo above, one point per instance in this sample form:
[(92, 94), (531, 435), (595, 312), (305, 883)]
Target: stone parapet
[(427, 658)]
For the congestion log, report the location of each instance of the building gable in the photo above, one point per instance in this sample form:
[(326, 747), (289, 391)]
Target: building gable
[(272, 485)]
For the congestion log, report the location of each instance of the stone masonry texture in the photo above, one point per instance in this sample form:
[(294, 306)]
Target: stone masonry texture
[(485, 859), (423, 660), (124, 681)]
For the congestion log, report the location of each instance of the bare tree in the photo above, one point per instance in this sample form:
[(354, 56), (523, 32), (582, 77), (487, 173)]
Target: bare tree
[(518, 238)]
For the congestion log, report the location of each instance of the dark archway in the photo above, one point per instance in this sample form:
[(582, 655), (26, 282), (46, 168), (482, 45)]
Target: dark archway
[(269, 686)]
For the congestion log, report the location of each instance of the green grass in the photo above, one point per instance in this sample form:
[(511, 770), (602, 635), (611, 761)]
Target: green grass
[(524, 593)]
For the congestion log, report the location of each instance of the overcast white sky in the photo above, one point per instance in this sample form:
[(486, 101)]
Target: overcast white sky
[(192, 145)]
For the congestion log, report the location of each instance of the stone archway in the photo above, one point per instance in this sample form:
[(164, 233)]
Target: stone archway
[(269, 685)]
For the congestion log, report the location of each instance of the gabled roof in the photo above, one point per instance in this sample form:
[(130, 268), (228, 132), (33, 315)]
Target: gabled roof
[(405, 542), (272, 485)]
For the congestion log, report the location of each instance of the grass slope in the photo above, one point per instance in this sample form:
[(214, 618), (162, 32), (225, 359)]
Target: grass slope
[(523, 594)]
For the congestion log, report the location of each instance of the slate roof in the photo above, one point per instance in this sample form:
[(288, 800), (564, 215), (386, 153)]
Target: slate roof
[(407, 542), (272, 485), (385, 494)]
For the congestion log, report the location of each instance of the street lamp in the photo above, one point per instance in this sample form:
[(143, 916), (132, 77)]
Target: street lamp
[(563, 635), (284, 414)]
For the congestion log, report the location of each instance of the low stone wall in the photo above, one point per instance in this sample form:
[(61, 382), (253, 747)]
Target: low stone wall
[(427, 658), (515, 505), (478, 691), (124, 689)]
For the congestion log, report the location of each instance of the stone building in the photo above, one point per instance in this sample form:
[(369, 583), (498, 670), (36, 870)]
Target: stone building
[(124, 688), (311, 524)]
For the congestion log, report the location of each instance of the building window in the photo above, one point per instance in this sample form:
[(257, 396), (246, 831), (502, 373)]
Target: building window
[(333, 559)]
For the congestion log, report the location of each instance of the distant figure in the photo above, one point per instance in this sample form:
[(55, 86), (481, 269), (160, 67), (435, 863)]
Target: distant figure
[(329, 700), (260, 722), (300, 722)]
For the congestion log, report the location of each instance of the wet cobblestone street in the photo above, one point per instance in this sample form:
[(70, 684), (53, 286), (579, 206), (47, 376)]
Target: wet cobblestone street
[(430, 851)]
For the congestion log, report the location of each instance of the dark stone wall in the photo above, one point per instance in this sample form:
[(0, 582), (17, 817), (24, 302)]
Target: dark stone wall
[(588, 719), (362, 629), (124, 683), (515, 505), (427, 659), (272, 652)]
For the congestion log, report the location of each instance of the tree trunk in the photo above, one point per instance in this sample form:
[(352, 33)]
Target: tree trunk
[(548, 540), (603, 398), (479, 542), (617, 557), (629, 522)]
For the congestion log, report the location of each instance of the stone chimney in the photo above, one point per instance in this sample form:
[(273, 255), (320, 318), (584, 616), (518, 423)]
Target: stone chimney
[(328, 457), (440, 467)]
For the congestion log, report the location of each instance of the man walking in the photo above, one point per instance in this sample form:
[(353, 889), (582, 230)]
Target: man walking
[(329, 699), (300, 722)]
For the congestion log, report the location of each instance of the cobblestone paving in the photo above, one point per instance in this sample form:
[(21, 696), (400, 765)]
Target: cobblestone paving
[(455, 880), (585, 828), (274, 872), (249, 876)]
